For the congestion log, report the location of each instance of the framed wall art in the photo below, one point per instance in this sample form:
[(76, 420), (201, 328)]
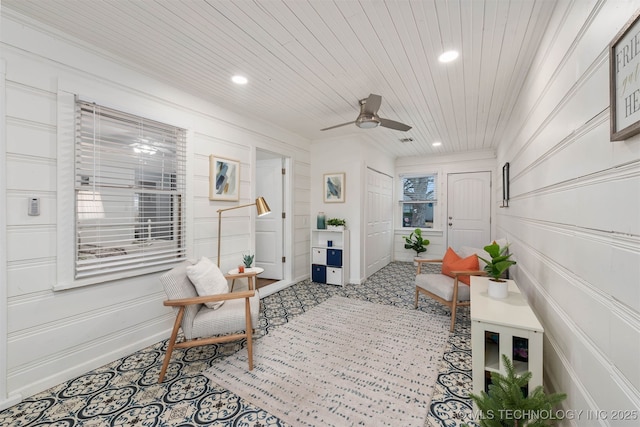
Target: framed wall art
[(505, 185), (334, 187), (624, 85), (224, 179)]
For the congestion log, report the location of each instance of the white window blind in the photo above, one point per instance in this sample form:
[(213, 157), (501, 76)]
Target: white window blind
[(129, 192)]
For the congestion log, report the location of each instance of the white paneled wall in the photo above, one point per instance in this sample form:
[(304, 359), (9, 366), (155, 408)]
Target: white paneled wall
[(351, 155), (477, 161), (55, 335), (574, 214)]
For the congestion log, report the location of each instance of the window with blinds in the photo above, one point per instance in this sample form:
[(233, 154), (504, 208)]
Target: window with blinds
[(129, 192)]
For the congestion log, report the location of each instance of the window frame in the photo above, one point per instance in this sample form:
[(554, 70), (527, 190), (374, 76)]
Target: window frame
[(436, 206), (66, 236)]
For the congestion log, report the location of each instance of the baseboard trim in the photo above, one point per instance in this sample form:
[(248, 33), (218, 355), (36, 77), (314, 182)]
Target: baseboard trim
[(274, 287), (89, 365), (13, 399)]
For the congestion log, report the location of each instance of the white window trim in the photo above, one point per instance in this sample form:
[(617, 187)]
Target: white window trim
[(66, 236), (437, 202)]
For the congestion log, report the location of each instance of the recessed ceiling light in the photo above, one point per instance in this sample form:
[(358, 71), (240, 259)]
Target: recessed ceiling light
[(448, 56), (437, 144), (239, 80)]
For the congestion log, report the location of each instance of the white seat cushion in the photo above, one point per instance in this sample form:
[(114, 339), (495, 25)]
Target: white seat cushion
[(226, 319), (442, 286)]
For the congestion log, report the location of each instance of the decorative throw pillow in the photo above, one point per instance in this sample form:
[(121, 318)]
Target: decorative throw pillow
[(466, 251), (208, 280), (453, 262)]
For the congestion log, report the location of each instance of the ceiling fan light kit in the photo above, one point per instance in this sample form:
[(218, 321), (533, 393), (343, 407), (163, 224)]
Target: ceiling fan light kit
[(368, 117), (367, 121)]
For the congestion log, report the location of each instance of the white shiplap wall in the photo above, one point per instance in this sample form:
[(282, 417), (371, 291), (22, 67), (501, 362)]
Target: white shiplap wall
[(574, 215), (351, 155), (442, 166), (55, 335)]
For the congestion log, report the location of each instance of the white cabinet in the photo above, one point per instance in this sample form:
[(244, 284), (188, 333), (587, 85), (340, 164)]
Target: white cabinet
[(503, 326), (330, 256)]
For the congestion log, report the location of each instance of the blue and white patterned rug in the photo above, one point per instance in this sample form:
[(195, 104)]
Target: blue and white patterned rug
[(343, 362), (126, 393)]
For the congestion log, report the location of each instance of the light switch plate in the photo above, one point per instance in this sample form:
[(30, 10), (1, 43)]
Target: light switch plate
[(34, 206)]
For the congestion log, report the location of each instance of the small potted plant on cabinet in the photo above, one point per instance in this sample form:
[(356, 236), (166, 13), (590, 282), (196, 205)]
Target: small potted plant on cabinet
[(336, 224), (495, 269), (415, 242)]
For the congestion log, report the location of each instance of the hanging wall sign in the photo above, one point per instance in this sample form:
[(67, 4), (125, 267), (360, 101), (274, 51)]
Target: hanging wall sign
[(624, 81)]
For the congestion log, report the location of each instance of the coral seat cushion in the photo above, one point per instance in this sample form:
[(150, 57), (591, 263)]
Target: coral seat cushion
[(453, 262)]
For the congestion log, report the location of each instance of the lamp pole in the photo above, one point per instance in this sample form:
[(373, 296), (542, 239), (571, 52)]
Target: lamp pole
[(261, 206)]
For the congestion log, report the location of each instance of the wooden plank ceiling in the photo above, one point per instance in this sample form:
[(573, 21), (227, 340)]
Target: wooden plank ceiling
[(309, 62)]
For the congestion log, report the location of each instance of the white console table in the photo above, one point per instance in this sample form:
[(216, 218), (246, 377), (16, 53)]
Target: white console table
[(503, 326)]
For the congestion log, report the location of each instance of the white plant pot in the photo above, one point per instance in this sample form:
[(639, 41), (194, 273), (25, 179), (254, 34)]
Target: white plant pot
[(498, 290), (335, 227)]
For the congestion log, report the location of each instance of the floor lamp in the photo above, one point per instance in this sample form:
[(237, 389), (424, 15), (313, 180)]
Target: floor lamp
[(261, 206)]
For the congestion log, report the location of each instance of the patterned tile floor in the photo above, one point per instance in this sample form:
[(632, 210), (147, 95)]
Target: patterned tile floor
[(126, 392)]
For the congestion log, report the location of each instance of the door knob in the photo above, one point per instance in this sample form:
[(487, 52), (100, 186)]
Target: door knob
[(450, 224), (450, 217)]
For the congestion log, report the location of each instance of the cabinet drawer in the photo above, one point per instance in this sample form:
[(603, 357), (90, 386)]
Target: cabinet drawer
[(334, 257), (334, 276), (319, 273), (319, 256)]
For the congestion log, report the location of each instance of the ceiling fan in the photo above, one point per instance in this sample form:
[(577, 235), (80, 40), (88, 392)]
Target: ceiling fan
[(368, 117)]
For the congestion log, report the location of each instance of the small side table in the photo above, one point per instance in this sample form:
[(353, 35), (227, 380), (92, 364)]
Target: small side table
[(250, 272)]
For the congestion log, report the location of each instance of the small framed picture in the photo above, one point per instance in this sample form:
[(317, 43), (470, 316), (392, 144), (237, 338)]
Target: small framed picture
[(224, 179), (334, 187)]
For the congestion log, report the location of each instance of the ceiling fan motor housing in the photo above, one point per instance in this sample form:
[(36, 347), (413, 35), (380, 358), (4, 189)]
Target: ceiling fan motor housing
[(367, 121)]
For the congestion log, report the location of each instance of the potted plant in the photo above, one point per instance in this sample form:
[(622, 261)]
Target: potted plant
[(505, 404), (336, 224), (247, 260), (415, 242), (495, 269)]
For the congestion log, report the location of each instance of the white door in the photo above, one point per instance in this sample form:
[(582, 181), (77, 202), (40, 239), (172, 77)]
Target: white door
[(378, 220), (269, 228), (469, 209)]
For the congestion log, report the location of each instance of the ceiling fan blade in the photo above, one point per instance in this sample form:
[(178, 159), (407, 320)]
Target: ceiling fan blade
[(337, 126), (372, 104), (391, 124)]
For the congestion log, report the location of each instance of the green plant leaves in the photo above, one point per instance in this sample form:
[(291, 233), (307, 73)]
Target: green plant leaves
[(506, 405), (415, 242), (499, 262)]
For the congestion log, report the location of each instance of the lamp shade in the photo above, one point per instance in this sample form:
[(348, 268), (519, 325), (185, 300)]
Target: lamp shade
[(262, 206)]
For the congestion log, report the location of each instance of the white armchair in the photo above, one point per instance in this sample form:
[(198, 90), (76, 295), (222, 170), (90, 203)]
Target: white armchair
[(451, 286), (201, 325)]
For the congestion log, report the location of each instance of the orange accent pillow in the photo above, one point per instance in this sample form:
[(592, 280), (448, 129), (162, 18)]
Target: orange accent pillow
[(453, 262)]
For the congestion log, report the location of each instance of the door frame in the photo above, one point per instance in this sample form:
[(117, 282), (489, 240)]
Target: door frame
[(287, 226)]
